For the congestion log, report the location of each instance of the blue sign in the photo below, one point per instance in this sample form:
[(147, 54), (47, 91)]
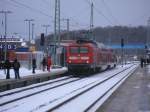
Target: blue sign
[(129, 46), (22, 49), (9, 47)]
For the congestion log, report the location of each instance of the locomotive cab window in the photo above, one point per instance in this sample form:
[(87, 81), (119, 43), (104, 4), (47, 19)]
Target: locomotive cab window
[(74, 50), (83, 50)]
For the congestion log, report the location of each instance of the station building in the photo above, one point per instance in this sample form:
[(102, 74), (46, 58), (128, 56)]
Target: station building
[(9, 46), (18, 48)]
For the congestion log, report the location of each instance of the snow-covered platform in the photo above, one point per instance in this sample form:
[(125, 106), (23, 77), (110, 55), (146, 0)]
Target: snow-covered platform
[(132, 96), (28, 78)]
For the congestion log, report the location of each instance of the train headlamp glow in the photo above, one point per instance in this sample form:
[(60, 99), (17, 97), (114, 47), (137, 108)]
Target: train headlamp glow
[(87, 61), (73, 58), (84, 58)]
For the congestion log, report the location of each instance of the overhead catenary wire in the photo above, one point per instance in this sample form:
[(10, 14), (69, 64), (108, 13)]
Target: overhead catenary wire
[(111, 14), (73, 19), (42, 13), (45, 2), (30, 8), (74, 23), (99, 12)]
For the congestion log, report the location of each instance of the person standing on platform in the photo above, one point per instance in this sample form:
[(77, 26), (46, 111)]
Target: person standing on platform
[(142, 62), (44, 63), (49, 63), (16, 66), (7, 66), (1, 65), (33, 65)]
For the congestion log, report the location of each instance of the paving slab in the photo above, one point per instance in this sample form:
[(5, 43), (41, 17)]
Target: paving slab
[(132, 96)]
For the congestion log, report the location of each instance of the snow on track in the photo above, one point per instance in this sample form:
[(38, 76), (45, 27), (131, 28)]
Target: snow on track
[(45, 100)]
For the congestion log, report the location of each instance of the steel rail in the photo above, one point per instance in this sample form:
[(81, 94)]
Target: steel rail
[(36, 86), (7, 102), (116, 84), (77, 95)]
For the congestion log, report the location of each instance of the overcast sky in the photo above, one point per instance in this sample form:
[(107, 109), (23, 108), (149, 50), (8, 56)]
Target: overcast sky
[(106, 13)]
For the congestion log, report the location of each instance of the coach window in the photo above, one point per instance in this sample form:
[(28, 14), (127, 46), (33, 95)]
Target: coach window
[(83, 50), (74, 50)]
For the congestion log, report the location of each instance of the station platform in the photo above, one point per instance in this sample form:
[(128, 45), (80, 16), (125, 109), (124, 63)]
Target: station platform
[(132, 96), (28, 79)]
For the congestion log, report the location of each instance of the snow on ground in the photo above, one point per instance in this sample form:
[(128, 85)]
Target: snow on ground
[(94, 94), (27, 72), (148, 66), (44, 98)]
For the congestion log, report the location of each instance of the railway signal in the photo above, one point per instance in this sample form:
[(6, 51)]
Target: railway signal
[(42, 41), (122, 45), (122, 42)]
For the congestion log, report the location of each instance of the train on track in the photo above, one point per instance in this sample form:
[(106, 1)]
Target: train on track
[(88, 56)]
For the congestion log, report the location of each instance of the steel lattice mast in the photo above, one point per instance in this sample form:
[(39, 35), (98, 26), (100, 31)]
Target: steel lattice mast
[(57, 28), (91, 22)]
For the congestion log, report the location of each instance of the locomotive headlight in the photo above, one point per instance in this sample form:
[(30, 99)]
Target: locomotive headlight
[(69, 61), (87, 61), (72, 58)]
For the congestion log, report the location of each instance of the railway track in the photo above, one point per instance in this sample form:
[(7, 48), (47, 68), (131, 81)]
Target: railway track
[(69, 96), (61, 82), (10, 92), (59, 105), (109, 91)]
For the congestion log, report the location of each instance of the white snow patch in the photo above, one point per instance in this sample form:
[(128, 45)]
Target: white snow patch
[(26, 72)]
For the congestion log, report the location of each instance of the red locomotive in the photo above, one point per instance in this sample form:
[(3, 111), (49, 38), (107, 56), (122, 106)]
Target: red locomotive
[(89, 56)]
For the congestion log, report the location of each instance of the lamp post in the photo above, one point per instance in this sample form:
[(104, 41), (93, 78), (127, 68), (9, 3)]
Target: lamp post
[(46, 42), (68, 25), (5, 36), (46, 27), (30, 58)]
